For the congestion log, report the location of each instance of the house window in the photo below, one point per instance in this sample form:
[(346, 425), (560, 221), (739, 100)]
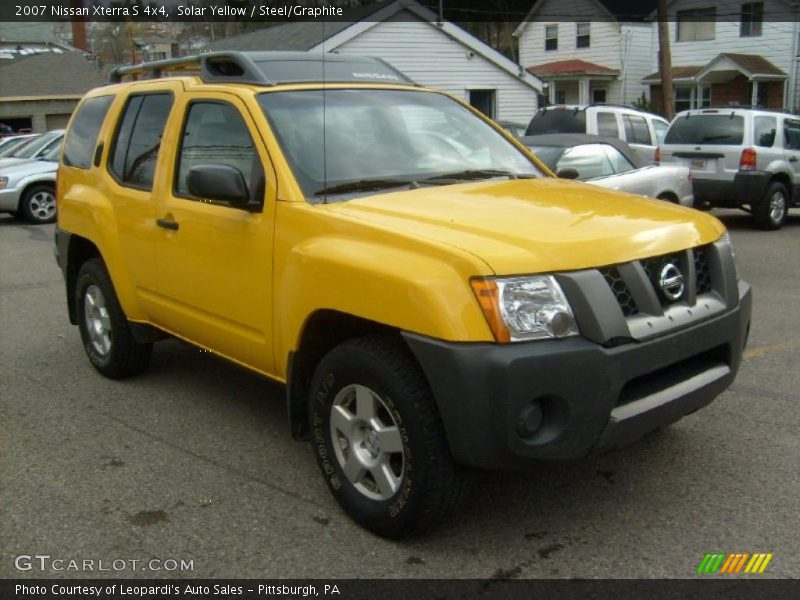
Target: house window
[(752, 18), (683, 98), (551, 37), (484, 101), (583, 35), (687, 97), (599, 95), (696, 24)]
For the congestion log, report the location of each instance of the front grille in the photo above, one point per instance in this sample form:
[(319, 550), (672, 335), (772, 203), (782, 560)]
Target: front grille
[(621, 291), (702, 270), (652, 268)]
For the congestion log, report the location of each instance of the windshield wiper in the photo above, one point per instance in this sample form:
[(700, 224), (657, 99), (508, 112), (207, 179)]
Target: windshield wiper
[(362, 185), (473, 174)]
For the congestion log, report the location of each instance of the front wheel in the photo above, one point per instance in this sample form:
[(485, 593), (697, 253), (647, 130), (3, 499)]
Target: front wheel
[(378, 438), (105, 331), (38, 205), (771, 212)]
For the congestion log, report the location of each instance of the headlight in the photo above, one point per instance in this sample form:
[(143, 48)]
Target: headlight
[(525, 308), (3, 183)]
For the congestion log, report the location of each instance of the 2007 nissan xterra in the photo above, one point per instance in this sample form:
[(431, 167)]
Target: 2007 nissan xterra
[(430, 294)]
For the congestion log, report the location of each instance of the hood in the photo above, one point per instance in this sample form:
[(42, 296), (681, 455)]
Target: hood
[(24, 168), (9, 161), (537, 225)]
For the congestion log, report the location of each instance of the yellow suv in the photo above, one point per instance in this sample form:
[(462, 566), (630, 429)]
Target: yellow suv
[(432, 297)]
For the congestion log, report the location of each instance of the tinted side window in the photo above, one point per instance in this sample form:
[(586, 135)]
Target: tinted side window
[(79, 147), (558, 120), (764, 129), (135, 152), (636, 130), (607, 124), (661, 131), (215, 133), (619, 161), (791, 133)]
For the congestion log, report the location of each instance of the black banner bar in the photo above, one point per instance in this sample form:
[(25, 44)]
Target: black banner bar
[(389, 589)]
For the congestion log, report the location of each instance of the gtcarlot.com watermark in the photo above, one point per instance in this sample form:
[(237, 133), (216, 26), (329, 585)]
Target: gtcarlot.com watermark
[(45, 562)]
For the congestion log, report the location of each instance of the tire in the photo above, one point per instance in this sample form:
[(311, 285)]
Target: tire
[(38, 205), (667, 197), (380, 396), (771, 212), (105, 331)]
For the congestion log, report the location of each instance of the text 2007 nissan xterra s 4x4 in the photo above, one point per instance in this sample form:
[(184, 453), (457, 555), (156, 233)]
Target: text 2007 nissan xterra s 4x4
[(430, 294)]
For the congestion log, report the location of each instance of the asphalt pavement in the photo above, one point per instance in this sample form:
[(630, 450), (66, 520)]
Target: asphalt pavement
[(193, 461)]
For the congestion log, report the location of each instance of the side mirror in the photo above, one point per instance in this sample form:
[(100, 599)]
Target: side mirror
[(568, 173), (218, 182)]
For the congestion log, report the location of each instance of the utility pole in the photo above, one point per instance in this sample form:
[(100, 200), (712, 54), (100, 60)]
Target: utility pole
[(665, 60)]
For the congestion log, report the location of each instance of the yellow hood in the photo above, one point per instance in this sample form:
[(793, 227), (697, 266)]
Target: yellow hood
[(537, 225)]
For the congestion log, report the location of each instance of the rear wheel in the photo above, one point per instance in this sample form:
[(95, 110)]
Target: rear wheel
[(771, 212), (38, 204), (105, 331), (379, 440)]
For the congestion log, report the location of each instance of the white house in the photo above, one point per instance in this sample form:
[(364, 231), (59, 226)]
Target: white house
[(601, 54), (733, 52), (410, 38)]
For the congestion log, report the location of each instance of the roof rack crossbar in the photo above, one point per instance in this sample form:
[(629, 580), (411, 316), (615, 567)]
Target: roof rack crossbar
[(268, 68)]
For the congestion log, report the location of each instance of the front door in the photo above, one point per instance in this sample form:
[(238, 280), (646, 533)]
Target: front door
[(215, 259)]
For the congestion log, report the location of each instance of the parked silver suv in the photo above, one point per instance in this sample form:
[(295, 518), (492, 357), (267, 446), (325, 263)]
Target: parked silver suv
[(740, 158), (643, 131)]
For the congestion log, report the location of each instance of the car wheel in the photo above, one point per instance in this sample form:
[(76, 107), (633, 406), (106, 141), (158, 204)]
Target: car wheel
[(38, 204), (104, 328), (378, 438), (771, 212), (668, 197)]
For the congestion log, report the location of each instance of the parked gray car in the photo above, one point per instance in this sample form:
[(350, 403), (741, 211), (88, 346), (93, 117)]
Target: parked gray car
[(34, 149), (11, 142), (27, 187), (740, 158), (610, 163)]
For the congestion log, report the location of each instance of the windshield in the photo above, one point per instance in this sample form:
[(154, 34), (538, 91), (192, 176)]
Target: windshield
[(53, 151), (363, 140), (32, 149), (721, 130)]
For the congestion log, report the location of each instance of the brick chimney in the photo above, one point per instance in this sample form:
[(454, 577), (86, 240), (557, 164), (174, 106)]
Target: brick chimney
[(78, 29)]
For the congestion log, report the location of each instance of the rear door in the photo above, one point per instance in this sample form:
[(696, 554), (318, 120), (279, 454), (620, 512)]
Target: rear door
[(637, 134), (709, 142)]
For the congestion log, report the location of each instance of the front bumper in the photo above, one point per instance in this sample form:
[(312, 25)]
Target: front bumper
[(747, 187), (591, 397), (9, 199)]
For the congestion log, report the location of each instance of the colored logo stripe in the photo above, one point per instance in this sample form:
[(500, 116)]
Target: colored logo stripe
[(734, 562)]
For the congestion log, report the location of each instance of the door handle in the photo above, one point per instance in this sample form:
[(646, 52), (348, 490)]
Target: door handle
[(167, 224), (792, 159)]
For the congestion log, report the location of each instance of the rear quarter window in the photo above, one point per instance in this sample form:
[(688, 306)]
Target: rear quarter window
[(715, 130), (82, 136), (557, 121)]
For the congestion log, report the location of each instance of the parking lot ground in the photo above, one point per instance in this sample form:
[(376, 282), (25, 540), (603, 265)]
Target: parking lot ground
[(194, 461)]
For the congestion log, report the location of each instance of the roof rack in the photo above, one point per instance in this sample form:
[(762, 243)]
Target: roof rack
[(785, 111), (270, 68)]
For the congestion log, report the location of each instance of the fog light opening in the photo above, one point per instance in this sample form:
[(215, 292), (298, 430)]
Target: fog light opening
[(530, 420)]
